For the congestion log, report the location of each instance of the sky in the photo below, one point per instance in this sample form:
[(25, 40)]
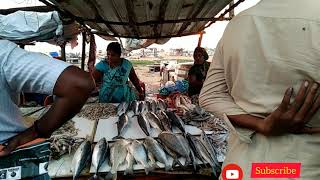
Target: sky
[(209, 40)]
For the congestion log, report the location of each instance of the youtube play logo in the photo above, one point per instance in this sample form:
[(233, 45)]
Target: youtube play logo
[(232, 172)]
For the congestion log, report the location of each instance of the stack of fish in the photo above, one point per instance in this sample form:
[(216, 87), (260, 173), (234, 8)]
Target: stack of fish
[(197, 151), (127, 152)]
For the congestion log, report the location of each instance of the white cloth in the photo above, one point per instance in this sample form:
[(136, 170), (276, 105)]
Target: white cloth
[(265, 50), (22, 71)]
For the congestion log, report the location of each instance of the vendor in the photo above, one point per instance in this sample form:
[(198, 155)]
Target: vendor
[(114, 72), (35, 73), (198, 72)]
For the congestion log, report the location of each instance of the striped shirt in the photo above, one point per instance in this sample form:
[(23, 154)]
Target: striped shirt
[(22, 71)]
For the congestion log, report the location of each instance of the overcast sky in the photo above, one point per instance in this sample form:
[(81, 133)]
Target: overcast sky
[(210, 39)]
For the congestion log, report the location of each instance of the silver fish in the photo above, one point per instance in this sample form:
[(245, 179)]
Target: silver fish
[(205, 155), (122, 108), (135, 107), (139, 153), (122, 125), (118, 153), (130, 161), (148, 106), (171, 153), (193, 147), (141, 107), (99, 155), (80, 158), (176, 143), (205, 140), (162, 105), (165, 121), (154, 121), (144, 124), (154, 106), (176, 120), (154, 147)]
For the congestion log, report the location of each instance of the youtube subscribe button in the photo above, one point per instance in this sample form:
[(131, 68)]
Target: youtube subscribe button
[(263, 170), (232, 172), (275, 170)]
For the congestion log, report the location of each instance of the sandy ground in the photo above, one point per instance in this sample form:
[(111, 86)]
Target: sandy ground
[(151, 79)]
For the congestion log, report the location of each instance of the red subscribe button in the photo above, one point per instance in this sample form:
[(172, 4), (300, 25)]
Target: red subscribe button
[(275, 170)]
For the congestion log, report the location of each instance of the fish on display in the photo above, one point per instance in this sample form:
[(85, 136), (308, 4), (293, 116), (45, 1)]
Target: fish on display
[(122, 125), (154, 121), (148, 106), (141, 107), (176, 120), (80, 158), (99, 156), (162, 105), (205, 155), (165, 121), (135, 107), (122, 108), (154, 106), (205, 141), (129, 164), (190, 156), (193, 147), (152, 159), (171, 153), (144, 124), (139, 153), (176, 143), (155, 148), (118, 153)]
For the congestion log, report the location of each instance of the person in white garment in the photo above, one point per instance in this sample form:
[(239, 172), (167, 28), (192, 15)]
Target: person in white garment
[(264, 82), (23, 71)]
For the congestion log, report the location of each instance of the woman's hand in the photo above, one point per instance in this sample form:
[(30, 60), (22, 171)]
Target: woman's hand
[(142, 94), (293, 117)]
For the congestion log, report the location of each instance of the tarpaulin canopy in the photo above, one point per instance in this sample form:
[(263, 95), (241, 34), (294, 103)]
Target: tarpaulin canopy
[(142, 19)]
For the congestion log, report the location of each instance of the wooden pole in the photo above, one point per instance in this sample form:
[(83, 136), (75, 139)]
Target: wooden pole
[(200, 39), (83, 56), (231, 13), (63, 52)]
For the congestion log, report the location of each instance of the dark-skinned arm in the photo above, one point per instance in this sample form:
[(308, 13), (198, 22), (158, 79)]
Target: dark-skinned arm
[(72, 89), (288, 117), (97, 75), (135, 80)]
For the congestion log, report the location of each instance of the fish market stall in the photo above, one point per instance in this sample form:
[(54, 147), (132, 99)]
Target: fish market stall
[(137, 139)]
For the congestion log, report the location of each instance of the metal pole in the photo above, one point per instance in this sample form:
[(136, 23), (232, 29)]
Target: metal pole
[(83, 56)]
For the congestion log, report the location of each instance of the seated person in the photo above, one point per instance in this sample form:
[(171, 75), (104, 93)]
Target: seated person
[(198, 72), (114, 73)]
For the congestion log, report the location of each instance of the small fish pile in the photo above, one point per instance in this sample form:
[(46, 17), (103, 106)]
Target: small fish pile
[(196, 117), (64, 140), (61, 145), (97, 110)]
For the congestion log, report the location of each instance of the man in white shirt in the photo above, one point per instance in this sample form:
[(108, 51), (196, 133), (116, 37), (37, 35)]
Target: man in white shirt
[(33, 72), (267, 50)]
